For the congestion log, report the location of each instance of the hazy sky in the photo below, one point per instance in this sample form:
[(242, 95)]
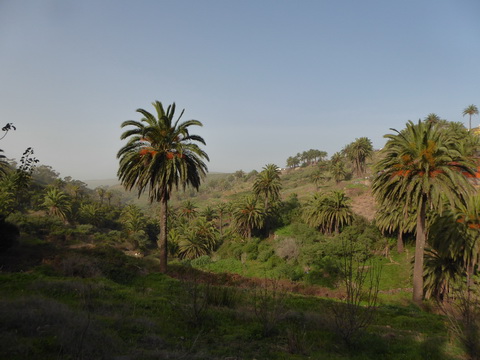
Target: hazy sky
[(268, 79)]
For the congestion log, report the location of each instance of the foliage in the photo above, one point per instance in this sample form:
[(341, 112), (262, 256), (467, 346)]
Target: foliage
[(248, 215), (463, 314), (269, 305), (328, 212), (358, 152), (57, 203), (361, 280)]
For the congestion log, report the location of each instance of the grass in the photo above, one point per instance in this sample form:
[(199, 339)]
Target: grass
[(146, 319)]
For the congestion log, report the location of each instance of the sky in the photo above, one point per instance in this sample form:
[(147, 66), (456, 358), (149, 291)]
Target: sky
[(267, 78)]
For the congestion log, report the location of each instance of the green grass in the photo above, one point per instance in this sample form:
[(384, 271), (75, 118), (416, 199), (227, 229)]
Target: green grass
[(150, 316)]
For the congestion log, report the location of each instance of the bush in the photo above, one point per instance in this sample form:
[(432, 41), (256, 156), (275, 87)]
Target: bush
[(264, 255), (287, 249), (115, 265), (273, 262), (201, 261), (78, 265)]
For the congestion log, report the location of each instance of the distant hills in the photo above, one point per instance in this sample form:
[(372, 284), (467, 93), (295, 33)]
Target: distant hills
[(92, 184)]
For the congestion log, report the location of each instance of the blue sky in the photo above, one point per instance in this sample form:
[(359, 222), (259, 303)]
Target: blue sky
[(268, 79)]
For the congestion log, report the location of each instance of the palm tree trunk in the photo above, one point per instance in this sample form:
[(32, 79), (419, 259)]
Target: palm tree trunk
[(419, 252), (267, 225), (221, 224), (400, 247), (162, 241), (470, 270)]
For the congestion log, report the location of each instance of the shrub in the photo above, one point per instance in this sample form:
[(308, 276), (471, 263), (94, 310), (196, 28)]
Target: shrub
[(273, 262), (269, 305), (287, 249), (201, 261), (264, 255), (80, 266)]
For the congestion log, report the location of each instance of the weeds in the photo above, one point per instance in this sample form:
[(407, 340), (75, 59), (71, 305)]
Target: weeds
[(361, 279), (269, 305), (463, 314)]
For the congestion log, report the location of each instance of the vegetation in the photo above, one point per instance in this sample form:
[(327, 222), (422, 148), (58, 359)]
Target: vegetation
[(276, 264), (423, 166)]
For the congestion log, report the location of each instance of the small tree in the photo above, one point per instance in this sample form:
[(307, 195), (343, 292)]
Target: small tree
[(361, 278)]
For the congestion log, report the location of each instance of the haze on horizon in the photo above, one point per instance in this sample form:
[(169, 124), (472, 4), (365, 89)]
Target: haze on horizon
[(267, 78)]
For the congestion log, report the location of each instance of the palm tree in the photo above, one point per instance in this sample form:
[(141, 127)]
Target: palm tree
[(421, 166), (338, 171), (57, 203), (91, 213), (3, 165), (470, 110), (197, 240), (267, 184), (432, 118), (328, 212), (468, 215), (248, 215), (189, 210), (133, 219), (222, 209), (209, 213), (391, 217), (160, 155), (101, 193), (109, 196), (358, 152), (318, 177)]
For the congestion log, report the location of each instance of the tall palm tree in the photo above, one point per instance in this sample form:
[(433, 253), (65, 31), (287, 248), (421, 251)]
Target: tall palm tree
[(160, 155), (470, 110), (222, 210), (358, 152), (421, 167)]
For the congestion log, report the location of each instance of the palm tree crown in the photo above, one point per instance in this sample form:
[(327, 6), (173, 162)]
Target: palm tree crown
[(161, 154), (470, 110)]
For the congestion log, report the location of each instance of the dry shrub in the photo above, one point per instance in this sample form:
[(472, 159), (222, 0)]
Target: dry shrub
[(463, 314), (78, 265), (269, 305), (287, 249)]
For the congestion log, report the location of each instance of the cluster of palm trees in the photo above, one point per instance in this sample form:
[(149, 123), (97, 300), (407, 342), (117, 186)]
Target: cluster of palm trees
[(328, 212), (305, 158), (424, 170)]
